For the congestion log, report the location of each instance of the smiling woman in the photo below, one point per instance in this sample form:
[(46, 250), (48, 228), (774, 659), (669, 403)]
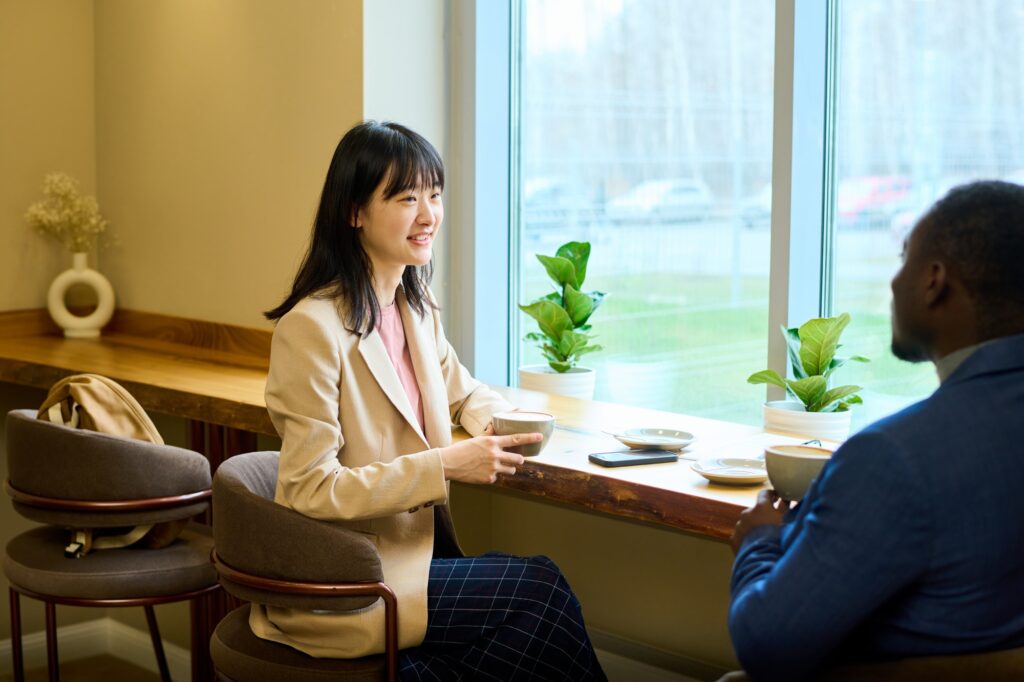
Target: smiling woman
[(363, 389)]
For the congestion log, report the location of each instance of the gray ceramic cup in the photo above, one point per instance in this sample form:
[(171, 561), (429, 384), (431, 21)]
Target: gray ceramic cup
[(526, 421), (792, 468)]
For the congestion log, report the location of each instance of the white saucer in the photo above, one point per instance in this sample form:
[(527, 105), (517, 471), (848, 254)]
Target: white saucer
[(655, 439), (732, 470)]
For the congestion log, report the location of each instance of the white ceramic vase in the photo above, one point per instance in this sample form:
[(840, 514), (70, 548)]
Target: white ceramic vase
[(578, 382), (790, 417), (76, 326)]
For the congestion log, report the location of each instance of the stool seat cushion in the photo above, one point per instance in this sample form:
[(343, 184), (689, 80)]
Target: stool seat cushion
[(35, 562), (238, 654)]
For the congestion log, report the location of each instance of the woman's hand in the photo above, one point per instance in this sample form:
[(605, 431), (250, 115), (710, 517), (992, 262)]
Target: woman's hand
[(481, 459)]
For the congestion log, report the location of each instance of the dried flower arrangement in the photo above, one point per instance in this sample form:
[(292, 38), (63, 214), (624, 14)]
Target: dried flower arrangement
[(66, 215)]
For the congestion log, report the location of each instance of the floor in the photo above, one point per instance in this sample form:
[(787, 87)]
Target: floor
[(621, 669), (106, 668), (103, 668)]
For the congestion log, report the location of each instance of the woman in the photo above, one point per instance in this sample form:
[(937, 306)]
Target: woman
[(363, 389)]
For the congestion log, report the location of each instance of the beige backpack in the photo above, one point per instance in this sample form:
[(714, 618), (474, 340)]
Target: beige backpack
[(96, 403)]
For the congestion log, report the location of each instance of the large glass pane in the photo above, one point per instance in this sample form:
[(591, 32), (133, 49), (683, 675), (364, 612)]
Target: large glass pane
[(646, 129), (930, 96)]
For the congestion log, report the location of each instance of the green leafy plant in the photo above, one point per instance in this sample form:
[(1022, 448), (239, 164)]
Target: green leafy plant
[(812, 357), (562, 315)]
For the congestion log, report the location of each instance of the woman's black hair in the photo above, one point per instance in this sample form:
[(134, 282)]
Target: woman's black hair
[(335, 264)]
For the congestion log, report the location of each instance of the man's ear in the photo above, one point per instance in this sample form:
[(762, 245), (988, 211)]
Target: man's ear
[(937, 285)]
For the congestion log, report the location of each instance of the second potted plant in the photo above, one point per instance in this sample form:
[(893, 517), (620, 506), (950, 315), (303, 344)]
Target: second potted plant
[(562, 317), (817, 411)]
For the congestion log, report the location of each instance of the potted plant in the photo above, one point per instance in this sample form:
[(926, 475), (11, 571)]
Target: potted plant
[(562, 317), (817, 411)]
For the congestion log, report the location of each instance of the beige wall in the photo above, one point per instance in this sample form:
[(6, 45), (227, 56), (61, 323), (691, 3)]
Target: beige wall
[(47, 123), (215, 125), (405, 80)]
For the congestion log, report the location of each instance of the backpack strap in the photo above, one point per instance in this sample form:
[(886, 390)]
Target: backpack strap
[(55, 413), (84, 540)]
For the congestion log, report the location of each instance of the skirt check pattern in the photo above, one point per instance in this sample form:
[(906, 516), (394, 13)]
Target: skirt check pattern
[(501, 617)]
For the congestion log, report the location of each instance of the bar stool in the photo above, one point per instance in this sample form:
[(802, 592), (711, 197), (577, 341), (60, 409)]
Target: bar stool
[(294, 562), (71, 478)]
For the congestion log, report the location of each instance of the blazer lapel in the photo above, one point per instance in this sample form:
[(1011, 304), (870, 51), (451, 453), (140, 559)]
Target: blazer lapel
[(419, 335), (371, 347)]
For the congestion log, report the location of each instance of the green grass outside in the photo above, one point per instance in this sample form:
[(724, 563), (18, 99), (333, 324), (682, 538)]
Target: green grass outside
[(691, 350)]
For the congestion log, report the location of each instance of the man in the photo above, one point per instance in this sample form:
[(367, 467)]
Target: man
[(911, 541)]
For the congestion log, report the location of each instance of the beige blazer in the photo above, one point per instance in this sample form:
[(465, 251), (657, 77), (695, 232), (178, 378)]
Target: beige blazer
[(352, 452)]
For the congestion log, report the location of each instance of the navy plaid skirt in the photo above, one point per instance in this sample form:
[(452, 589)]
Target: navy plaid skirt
[(501, 617)]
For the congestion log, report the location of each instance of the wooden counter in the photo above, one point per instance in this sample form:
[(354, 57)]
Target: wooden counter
[(669, 494), (196, 370), (216, 374)]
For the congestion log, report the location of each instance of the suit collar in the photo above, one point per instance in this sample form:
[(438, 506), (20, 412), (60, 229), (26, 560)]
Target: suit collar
[(419, 335), (996, 355)]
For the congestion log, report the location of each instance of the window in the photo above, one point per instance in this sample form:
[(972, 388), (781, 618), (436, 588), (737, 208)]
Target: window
[(645, 129), (929, 97)]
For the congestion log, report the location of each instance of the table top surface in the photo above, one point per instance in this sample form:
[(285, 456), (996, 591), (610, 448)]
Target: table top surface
[(222, 382)]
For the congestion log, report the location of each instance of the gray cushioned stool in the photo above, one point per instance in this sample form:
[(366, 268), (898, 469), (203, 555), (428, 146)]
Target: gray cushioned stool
[(294, 562), (71, 478)]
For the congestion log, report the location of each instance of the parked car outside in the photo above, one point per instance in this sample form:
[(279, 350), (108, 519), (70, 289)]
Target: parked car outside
[(871, 201), (558, 201), (669, 200), (756, 210)]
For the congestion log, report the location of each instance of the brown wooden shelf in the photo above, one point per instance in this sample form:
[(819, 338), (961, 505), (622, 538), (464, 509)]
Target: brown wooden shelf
[(185, 368)]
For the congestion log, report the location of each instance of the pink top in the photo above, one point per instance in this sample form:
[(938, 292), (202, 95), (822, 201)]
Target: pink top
[(393, 334)]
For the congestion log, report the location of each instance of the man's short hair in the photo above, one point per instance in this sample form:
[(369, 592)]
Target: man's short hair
[(977, 230)]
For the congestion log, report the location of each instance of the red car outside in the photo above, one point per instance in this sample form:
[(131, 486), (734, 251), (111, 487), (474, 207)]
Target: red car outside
[(871, 201)]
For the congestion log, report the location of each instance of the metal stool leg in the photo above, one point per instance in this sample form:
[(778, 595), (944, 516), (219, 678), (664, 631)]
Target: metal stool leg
[(158, 645), (52, 664), (19, 663)]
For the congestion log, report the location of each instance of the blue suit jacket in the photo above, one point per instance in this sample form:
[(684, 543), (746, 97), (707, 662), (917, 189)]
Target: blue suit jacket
[(910, 543)]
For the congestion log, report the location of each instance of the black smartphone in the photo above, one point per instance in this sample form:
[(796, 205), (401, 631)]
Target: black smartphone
[(625, 458)]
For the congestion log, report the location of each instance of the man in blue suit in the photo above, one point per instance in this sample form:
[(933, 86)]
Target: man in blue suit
[(911, 541)]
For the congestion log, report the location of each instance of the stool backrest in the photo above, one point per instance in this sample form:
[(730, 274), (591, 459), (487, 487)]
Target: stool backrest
[(52, 462), (256, 536)]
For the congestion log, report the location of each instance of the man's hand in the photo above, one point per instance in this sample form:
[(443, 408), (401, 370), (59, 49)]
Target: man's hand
[(769, 509)]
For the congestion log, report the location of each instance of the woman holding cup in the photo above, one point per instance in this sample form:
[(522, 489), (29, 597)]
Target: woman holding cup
[(363, 388)]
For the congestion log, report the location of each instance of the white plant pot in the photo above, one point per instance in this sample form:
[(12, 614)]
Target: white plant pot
[(790, 417), (75, 326), (578, 382)]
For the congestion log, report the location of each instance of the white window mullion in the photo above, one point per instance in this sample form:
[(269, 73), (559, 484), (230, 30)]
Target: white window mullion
[(478, 205), (802, 185)]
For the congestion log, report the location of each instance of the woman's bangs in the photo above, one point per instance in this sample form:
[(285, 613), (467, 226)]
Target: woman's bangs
[(414, 167)]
